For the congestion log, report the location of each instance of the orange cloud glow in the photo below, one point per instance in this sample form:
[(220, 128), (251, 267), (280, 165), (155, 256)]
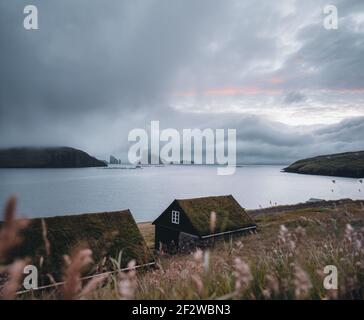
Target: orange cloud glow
[(255, 90), (232, 91), (275, 80)]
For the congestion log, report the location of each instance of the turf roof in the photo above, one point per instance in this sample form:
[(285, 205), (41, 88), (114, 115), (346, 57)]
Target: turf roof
[(229, 214), (106, 234)]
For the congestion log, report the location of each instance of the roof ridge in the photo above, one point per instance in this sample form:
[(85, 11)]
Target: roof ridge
[(206, 197), (70, 215)]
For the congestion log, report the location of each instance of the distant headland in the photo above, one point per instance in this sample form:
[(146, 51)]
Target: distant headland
[(349, 164), (49, 157)]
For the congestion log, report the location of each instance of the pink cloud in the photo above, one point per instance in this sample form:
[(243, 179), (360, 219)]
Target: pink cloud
[(232, 91), (275, 80)]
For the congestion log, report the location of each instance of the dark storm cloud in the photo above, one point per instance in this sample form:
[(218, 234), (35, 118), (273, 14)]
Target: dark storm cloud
[(335, 59), (97, 69), (266, 142), (94, 56), (294, 97), (329, 59), (262, 141)]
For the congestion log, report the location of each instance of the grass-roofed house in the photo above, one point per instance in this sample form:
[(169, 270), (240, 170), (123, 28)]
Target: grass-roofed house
[(109, 235), (191, 223)]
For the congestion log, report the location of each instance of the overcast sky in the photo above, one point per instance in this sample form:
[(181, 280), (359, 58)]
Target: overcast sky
[(97, 69)]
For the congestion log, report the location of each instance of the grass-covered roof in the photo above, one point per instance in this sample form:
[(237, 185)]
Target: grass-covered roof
[(229, 214), (106, 234)]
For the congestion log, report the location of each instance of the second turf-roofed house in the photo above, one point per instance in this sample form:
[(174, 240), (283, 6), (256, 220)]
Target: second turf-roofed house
[(112, 236), (191, 223)]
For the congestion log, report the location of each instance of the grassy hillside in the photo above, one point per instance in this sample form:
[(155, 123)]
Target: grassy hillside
[(284, 260), (350, 164), (147, 230), (53, 157)]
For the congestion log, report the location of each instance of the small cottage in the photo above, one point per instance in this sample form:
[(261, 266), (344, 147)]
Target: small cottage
[(108, 234), (191, 223)]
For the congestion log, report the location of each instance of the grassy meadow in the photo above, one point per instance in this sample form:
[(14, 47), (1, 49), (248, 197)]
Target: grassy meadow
[(285, 259)]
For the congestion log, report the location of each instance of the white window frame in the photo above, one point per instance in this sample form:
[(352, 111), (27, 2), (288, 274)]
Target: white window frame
[(175, 217)]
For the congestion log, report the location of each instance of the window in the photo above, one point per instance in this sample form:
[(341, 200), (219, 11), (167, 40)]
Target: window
[(175, 217)]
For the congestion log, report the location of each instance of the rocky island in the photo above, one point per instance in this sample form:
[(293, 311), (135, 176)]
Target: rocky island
[(349, 164), (53, 157)]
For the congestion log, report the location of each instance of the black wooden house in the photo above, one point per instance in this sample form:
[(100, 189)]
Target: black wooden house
[(191, 223)]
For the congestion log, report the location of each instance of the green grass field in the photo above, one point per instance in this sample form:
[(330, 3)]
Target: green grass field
[(276, 263), (285, 259)]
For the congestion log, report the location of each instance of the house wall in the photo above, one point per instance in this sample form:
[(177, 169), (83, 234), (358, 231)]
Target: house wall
[(168, 233), (188, 243), (208, 242), (166, 239), (165, 219)]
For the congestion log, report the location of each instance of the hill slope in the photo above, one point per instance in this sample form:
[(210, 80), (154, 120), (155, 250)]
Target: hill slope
[(286, 259), (349, 164), (281, 262), (62, 157)]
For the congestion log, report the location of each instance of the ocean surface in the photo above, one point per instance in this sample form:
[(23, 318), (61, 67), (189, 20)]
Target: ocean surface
[(148, 191)]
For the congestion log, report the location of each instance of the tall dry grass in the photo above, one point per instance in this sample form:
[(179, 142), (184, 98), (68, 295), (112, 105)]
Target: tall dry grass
[(290, 268), (10, 272), (285, 260)]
